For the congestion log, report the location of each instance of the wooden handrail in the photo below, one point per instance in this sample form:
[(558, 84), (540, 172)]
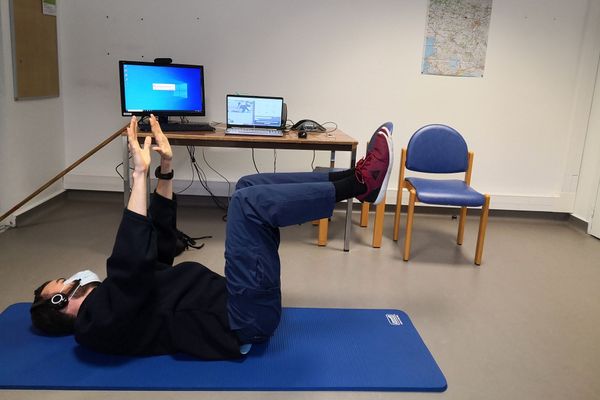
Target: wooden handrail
[(64, 172)]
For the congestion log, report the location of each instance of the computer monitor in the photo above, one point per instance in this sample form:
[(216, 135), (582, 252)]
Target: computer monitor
[(161, 89)]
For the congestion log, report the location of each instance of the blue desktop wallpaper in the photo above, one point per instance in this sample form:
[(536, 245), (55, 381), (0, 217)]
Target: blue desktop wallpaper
[(153, 88)]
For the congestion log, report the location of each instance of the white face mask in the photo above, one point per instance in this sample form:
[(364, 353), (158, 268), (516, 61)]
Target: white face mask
[(84, 277)]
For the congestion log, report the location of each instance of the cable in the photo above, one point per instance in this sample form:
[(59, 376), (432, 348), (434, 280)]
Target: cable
[(217, 172), (117, 169), (203, 179), (121, 175), (254, 162), (331, 130), (274, 161), (312, 163), (192, 180)]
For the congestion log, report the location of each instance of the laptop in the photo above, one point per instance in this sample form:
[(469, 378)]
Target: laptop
[(255, 115)]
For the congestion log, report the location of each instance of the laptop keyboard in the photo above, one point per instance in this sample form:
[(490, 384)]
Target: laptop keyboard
[(254, 131)]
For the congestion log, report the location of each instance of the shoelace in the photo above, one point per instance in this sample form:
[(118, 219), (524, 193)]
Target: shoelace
[(363, 163)]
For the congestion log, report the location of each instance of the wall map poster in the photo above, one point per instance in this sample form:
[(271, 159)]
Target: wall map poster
[(456, 37)]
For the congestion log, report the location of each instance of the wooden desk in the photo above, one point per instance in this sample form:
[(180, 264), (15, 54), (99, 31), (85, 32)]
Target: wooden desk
[(331, 141)]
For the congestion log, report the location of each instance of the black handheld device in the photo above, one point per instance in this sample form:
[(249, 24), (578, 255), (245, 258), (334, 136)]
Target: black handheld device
[(308, 125)]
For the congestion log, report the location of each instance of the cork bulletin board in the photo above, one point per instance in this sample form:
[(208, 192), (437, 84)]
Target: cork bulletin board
[(35, 52)]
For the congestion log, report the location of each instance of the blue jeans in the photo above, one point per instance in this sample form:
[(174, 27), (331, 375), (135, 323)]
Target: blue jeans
[(261, 205)]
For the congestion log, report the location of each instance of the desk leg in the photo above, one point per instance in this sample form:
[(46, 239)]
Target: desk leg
[(125, 170), (324, 223), (349, 209)]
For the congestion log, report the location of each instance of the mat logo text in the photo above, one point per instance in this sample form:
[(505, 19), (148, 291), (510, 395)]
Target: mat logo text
[(393, 319)]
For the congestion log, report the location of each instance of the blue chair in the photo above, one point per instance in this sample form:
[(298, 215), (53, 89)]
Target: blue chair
[(439, 149)]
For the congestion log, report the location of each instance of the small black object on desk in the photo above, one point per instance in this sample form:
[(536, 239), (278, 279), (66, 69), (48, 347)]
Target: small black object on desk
[(302, 134)]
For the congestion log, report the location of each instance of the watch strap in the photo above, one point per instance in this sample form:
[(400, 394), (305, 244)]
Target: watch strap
[(160, 175)]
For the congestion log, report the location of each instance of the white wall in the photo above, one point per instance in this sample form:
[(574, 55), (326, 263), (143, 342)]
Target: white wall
[(32, 143), (589, 181), (354, 62), (588, 197)]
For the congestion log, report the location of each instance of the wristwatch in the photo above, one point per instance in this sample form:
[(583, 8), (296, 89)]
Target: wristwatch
[(160, 175)]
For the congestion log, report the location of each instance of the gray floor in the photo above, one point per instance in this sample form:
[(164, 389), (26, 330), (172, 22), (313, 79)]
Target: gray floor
[(525, 325)]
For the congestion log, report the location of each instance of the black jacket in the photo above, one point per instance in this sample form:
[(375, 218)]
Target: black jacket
[(145, 306)]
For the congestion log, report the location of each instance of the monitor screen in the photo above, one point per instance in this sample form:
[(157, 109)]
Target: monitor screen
[(256, 111), (161, 89)]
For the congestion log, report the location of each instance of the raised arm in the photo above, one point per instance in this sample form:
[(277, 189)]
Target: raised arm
[(163, 209), (141, 161), (162, 147)]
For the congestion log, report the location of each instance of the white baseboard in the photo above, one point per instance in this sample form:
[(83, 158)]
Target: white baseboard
[(95, 183), (41, 199), (564, 202), (115, 184)]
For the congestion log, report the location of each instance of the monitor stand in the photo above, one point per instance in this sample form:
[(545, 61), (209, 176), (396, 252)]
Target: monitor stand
[(163, 120)]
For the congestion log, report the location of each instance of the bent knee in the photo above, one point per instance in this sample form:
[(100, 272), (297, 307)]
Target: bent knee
[(238, 203), (246, 181)]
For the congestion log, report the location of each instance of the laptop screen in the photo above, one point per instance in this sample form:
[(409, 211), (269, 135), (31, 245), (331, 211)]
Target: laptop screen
[(254, 111)]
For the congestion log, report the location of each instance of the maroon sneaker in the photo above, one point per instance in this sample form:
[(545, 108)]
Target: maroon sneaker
[(374, 170), (386, 128)]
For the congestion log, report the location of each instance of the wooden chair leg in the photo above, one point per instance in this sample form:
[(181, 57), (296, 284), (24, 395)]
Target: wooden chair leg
[(397, 213), (482, 227), (461, 225), (378, 224), (409, 223), (323, 228), (364, 214), (399, 195)]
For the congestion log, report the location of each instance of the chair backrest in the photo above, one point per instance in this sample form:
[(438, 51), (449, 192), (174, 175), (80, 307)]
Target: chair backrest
[(437, 149)]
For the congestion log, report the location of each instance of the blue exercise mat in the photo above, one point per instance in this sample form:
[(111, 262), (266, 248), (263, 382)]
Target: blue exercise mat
[(313, 349)]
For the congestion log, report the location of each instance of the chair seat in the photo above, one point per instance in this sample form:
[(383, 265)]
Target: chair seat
[(449, 192)]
